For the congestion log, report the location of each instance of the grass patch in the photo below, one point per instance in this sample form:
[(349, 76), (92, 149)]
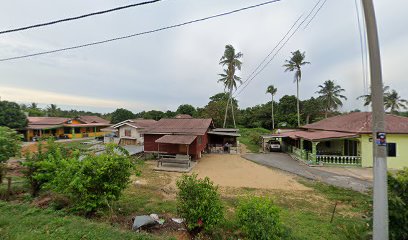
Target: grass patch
[(250, 137), (25, 222)]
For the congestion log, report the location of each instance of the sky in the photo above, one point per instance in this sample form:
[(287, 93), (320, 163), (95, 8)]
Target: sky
[(163, 70)]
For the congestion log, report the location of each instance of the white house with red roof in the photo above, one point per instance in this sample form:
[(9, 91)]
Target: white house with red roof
[(131, 131), (347, 140)]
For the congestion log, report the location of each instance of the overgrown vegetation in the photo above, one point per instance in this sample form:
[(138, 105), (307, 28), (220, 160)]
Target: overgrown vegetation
[(398, 204), (10, 144), (259, 219), (198, 201), (251, 137), (88, 181)]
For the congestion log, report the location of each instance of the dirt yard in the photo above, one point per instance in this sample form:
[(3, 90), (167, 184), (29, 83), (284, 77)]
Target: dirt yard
[(237, 172)]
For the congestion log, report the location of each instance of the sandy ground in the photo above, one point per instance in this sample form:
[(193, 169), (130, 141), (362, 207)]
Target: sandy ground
[(235, 171)]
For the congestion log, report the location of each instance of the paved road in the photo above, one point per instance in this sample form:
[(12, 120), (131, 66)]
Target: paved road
[(286, 163)]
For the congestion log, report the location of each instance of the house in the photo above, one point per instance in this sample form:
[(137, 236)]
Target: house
[(181, 135), (347, 140), (78, 127), (130, 132)]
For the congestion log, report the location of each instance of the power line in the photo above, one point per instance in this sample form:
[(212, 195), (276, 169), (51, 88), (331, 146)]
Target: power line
[(362, 49), (77, 17), (138, 34), (318, 10), (273, 57)]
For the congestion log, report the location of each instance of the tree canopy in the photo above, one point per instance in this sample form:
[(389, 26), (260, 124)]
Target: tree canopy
[(11, 115), (120, 115), (186, 109)]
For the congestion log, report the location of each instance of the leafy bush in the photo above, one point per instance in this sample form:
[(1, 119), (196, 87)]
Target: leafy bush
[(95, 180), (259, 219), (10, 144), (398, 204), (198, 201)]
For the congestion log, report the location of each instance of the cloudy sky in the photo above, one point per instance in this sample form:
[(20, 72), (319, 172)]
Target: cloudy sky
[(165, 69)]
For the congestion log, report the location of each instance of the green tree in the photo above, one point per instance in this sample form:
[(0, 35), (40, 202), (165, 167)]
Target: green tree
[(231, 60), (34, 111), (272, 90), (154, 114), (367, 98), (186, 109), (394, 102), (53, 111), (215, 108), (398, 204), (286, 112), (294, 64), (330, 95), (313, 109), (11, 115), (120, 115), (10, 144)]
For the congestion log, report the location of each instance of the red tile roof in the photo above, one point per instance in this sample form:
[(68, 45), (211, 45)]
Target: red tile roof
[(192, 126), (46, 120), (316, 135), (177, 139), (92, 119), (359, 122), (142, 123)]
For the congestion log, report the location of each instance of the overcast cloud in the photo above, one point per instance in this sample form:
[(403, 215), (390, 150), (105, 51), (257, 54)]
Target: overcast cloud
[(163, 70)]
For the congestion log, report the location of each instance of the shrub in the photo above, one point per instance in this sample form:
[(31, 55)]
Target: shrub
[(95, 180), (10, 144), (398, 204), (199, 203), (259, 219)]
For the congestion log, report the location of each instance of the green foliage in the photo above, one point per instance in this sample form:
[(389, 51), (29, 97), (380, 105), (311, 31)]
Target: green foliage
[(215, 109), (259, 219), (186, 109), (94, 181), (398, 204), (10, 144), (198, 201), (24, 222), (11, 115), (120, 115), (250, 137)]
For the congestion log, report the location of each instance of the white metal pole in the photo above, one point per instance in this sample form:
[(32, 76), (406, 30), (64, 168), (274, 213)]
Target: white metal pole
[(380, 198)]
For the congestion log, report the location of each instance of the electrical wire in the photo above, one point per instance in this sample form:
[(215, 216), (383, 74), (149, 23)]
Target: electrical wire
[(138, 34), (362, 49), (239, 91), (318, 10), (77, 17)]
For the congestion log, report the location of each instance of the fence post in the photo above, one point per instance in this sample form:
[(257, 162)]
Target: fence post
[(8, 188)]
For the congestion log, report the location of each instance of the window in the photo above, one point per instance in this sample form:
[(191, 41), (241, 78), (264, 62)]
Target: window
[(67, 130), (128, 133), (391, 149)]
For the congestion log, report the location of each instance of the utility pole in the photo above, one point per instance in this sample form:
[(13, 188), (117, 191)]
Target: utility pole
[(380, 194)]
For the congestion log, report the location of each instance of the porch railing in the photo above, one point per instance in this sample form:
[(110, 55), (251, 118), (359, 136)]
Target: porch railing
[(339, 160)]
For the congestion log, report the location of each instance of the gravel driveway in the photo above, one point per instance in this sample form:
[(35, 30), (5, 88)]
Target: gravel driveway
[(285, 162)]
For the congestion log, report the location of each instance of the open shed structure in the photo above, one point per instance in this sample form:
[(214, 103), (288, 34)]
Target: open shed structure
[(223, 140)]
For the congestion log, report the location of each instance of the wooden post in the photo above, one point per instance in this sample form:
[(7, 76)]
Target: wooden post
[(334, 210)]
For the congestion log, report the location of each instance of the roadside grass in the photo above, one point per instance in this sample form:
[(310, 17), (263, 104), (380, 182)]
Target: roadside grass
[(250, 135), (20, 221)]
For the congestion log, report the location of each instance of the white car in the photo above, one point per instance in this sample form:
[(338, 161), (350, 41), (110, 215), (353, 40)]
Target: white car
[(274, 146)]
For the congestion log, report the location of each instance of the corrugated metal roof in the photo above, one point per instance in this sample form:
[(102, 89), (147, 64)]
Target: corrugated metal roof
[(193, 126), (177, 139), (316, 135), (232, 134), (360, 122)]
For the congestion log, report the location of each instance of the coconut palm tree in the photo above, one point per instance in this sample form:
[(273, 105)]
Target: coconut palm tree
[(330, 94), (231, 60), (294, 64), (367, 98), (272, 90), (394, 102)]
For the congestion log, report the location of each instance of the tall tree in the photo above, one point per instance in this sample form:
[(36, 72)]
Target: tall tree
[(11, 115), (294, 64), (272, 90), (367, 98), (53, 110), (231, 60), (120, 115), (330, 94), (186, 109), (394, 102)]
